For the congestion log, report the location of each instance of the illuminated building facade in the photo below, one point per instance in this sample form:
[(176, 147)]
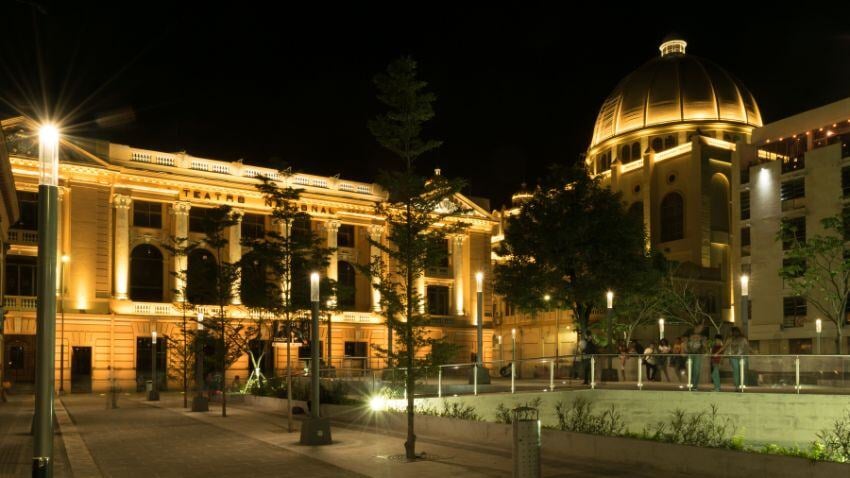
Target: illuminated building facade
[(795, 170), (119, 204)]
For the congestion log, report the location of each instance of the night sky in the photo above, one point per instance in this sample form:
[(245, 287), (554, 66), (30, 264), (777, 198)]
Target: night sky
[(518, 89)]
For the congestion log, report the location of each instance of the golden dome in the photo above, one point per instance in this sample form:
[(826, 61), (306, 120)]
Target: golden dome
[(673, 88)]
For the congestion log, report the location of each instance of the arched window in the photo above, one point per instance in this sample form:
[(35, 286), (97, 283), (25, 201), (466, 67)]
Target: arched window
[(146, 276), (636, 210), (254, 286), (346, 285), (672, 217), (669, 141), (200, 280), (636, 150), (657, 144), (625, 154)]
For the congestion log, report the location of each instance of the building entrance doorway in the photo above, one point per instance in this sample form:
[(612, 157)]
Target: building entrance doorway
[(143, 362), (81, 370), (19, 360)]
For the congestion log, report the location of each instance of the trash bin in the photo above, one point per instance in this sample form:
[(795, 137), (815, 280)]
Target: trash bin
[(526, 449), (149, 386)]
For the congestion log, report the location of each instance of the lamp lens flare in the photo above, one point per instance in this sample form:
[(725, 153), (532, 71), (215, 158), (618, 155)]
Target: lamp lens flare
[(479, 281), (314, 287), (48, 155), (378, 403)]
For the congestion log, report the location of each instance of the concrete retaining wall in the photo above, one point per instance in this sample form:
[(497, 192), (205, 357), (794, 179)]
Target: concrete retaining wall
[(783, 419)]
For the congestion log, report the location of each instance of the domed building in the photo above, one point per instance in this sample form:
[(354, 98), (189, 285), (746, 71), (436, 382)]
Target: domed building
[(664, 138)]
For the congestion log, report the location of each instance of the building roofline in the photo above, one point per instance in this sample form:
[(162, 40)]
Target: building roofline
[(805, 121)]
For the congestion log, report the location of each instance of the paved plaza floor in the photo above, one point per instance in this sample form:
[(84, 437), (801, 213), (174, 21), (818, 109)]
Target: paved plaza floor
[(16, 441), (162, 440)]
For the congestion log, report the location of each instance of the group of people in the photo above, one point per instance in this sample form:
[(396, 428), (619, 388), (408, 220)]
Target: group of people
[(661, 356)]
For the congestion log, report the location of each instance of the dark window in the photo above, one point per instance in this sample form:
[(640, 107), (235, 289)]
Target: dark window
[(795, 232), (745, 205), (636, 151), (745, 241), (603, 162), (793, 311), (345, 236), (301, 227), (845, 180), (625, 154), (346, 285), (670, 141), (672, 218), (200, 283), (146, 274), (800, 346), (304, 352), (792, 189), (255, 290), (794, 266), (17, 357), (745, 175), (147, 214), (845, 222), (438, 300), (253, 226), (144, 347), (793, 164), (197, 219), (28, 206), (356, 349), (21, 275), (657, 144)]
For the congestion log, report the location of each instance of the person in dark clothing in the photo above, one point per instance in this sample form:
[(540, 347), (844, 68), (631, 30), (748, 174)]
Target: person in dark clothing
[(588, 349)]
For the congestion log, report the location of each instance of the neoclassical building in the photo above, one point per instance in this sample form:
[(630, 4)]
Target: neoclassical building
[(120, 204), (664, 138)]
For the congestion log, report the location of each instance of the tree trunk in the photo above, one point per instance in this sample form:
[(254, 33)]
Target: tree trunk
[(410, 444), (185, 363), (223, 370), (839, 340), (288, 382)]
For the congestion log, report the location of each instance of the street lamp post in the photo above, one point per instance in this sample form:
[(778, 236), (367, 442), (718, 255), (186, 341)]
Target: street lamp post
[(200, 402), (153, 396), (609, 374), (661, 328), (818, 329), (481, 375), (315, 430), (745, 305), (48, 201), (65, 260)]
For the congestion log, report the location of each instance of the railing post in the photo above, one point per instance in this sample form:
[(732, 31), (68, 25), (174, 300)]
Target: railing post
[(640, 373), (513, 376), (742, 369), (439, 381), (475, 379), (552, 375), (592, 372), (690, 379), (797, 373)]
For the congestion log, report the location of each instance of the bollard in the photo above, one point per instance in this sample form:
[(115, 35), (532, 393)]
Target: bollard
[(640, 373), (690, 381), (552, 375), (513, 377), (475, 380), (743, 377), (439, 382), (797, 373), (592, 372), (526, 447)]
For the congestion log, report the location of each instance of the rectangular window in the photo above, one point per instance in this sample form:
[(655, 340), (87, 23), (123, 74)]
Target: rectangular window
[(745, 241), (356, 349), (800, 346), (793, 311), (21, 275), (345, 236), (304, 351), (438, 300), (794, 163), (796, 188), (253, 226), (28, 207), (745, 205), (796, 232), (795, 266), (147, 214), (845, 181), (197, 218)]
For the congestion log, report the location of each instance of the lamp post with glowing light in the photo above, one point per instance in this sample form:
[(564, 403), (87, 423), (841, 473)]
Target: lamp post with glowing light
[(481, 373), (65, 260), (200, 402), (818, 329), (48, 202), (745, 304), (315, 430), (609, 373), (153, 396)]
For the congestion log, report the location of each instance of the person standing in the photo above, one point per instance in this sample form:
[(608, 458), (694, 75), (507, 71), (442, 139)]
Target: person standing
[(588, 350), (716, 349), (679, 361), (696, 348), (664, 350), (736, 347), (649, 361)]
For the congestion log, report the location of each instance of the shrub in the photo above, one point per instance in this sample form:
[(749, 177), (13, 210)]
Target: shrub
[(699, 429), (506, 415), (450, 410), (578, 417), (834, 443)]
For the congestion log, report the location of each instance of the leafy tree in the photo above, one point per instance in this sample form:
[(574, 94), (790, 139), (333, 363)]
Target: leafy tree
[(681, 298), (290, 254), (415, 205), (572, 241), (818, 269), (184, 358), (642, 303)]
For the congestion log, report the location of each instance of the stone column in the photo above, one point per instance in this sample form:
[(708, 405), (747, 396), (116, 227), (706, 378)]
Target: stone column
[(457, 266), (180, 210), (420, 289), (234, 252), (375, 234), (332, 227), (121, 249)]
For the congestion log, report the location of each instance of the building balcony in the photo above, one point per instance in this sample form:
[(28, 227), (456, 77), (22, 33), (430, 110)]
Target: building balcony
[(20, 303), (23, 236), (439, 271)]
